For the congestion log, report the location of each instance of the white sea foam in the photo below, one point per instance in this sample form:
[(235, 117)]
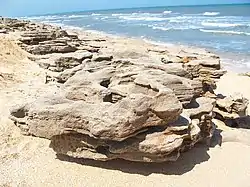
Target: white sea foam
[(226, 32), (77, 16), (43, 18), (177, 21), (211, 13), (140, 13), (160, 28), (53, 17), (101, 18), (116, 15), (94, 14), (52, 21), (142, 18), (158, 42), (181, 27), (180, 19), (186, 27), (35, 18), (104, 18), (211, 24), (167, 12)]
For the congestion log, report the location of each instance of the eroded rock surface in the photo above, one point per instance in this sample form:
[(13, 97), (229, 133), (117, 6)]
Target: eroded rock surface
[(117, 98), (233, 111)]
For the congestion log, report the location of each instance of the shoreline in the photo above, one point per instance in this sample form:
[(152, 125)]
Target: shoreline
[(227, 62)]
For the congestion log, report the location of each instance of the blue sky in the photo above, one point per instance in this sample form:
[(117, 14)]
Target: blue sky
[(32, 7)]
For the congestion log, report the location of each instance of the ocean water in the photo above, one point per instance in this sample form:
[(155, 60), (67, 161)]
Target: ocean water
[(223, 29)]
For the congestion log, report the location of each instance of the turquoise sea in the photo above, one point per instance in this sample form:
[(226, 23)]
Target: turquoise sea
[(224, 29)]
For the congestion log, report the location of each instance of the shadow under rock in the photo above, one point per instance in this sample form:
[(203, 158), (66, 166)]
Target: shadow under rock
[(216, 139), (220, 96), (185, 163), (192, 104), (243, 122)]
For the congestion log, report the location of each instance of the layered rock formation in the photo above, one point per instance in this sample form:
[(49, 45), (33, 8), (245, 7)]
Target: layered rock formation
[(118, 98), (232, 110)]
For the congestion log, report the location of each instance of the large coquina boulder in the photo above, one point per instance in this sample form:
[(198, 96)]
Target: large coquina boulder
[(121, 111)]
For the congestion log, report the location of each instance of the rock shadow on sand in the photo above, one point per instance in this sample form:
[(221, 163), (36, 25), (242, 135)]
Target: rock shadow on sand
[(184, 164)]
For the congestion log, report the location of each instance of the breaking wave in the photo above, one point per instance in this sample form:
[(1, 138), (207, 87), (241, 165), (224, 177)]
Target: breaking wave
[(117, 14), (210, 24), (77, 16), (167, 12), (226, 32), (160, 28), (211, 13), (155, 27), (131, 18)]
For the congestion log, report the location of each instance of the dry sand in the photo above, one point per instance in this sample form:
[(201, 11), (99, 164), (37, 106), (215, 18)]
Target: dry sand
[(28, 161)]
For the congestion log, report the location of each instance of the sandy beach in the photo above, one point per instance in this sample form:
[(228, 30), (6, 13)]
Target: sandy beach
[(29, 161)]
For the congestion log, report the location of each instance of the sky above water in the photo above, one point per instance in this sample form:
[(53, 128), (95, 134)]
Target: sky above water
[(36, 7)]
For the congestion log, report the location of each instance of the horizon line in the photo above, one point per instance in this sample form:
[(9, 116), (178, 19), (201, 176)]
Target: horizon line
[(161, 6)]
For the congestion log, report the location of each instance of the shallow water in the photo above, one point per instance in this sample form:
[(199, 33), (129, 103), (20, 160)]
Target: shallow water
[(224, 29)]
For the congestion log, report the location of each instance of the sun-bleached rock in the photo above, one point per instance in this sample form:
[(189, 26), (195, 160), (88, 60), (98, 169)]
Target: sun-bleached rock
[(61, 62), (233, 111), (52, 47), (121, 111), (232, 107), (208, 67)]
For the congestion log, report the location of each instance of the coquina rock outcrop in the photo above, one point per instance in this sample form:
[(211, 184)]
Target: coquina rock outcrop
[(118, 98), (233, 111)]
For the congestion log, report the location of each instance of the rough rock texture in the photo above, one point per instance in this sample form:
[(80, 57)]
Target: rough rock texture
[(61, 62), (106, 113), (50, 47), (117, 99), (232, 110), (9, 24)]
